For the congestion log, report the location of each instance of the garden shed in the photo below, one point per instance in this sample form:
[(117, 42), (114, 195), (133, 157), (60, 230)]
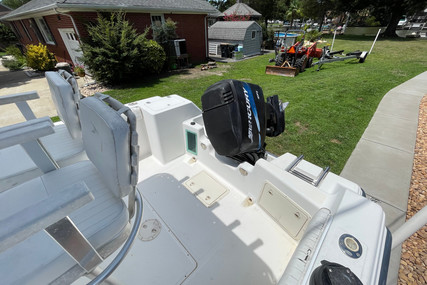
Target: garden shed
[(225, 37)]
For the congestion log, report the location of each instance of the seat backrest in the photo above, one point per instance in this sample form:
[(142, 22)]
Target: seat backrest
[(110, 141), (66, 96)]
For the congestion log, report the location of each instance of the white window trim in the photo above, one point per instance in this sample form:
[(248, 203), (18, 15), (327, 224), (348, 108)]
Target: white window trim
[(160, 15), (26, 30), (43, 31), (15, 29)]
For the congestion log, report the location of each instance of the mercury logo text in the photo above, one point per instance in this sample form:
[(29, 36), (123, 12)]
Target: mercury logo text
[(249, 111)]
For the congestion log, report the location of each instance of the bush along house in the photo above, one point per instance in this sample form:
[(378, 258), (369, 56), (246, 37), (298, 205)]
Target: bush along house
[(61, 24)]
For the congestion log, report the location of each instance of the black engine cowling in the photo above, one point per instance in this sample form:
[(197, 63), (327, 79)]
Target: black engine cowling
[(237, 119)]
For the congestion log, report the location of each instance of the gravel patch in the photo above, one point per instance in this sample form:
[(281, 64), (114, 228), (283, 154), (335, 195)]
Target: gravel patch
[(91, 88), (413, 264)]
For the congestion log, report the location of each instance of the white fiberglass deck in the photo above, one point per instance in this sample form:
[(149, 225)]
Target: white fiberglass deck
[(211, 220), (231, 242)]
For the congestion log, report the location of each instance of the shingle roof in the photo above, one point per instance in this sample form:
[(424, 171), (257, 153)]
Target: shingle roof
[(193, 6), (4, 9), (241, 9), (230, 30)]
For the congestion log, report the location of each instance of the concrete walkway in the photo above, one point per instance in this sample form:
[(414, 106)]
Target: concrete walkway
[(382, 161), (17, 82), (12, 82)]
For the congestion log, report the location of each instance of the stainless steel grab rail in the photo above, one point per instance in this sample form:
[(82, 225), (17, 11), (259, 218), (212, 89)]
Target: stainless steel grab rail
[(315, 182)]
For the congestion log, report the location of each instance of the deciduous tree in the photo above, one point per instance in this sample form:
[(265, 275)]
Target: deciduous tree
[(388, 11), (14, 3), (267, 8), (294, 11), (222, 5)]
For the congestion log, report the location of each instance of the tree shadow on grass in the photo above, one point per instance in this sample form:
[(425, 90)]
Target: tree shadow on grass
[(370, 38), (151, 80)]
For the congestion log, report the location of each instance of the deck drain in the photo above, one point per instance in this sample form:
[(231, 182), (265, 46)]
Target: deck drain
[(149, 230)]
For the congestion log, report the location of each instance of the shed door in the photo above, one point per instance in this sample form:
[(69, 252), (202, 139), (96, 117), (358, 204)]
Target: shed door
[(72, 44)]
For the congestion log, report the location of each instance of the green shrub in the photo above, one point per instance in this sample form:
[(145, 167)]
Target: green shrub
[(165, 32), (40, 58), (313, 35), (153, 56), (267, 35), (115, 53), (13, 50), (372, 22), (19, 60), (6, 36), (299, 38), (13, 64)]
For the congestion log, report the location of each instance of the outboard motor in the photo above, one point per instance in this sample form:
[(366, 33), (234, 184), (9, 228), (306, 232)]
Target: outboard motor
[(237, 119)]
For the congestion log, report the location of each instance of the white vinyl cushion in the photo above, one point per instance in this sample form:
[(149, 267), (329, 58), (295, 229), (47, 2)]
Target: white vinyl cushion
[(66, 101), (38, 259), (106, 139), (16, 166)]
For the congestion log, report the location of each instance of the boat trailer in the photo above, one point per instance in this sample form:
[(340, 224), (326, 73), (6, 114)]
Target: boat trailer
[(333, 56), (329, 56)]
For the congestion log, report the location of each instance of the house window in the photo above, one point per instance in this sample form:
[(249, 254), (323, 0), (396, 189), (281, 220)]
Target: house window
[(15, 30), (44, 29), (253, 34), (157, 19), (26, 30)]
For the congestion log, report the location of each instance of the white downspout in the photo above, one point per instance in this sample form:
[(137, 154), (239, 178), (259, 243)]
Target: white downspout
[(72, 21)]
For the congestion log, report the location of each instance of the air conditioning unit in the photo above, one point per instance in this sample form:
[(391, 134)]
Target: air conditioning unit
[(180, 47)]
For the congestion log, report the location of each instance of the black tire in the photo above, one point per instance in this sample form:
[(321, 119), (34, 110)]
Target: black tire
[(280, 59), (301, 63), (309, 62)]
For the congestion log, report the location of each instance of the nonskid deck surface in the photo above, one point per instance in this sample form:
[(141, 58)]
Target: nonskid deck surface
[(231, 242)]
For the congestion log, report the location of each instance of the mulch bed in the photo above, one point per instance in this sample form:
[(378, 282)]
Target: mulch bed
[(413, 264)]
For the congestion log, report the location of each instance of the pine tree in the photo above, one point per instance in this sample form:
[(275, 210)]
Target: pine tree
[(115, 53)]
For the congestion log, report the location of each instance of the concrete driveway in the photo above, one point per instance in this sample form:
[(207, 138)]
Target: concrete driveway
[(16, 82)]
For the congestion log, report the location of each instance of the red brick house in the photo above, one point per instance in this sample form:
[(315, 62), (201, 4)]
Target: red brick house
[(61, 23)]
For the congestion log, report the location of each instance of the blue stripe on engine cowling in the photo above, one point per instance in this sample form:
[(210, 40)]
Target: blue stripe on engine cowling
[(254, 110)]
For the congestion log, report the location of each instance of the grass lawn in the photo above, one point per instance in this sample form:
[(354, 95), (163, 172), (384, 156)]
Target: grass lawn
[(2, 53), (328, 111)]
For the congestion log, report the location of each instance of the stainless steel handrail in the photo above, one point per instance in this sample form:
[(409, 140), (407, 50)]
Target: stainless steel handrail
[(128, 244), (315, 182)]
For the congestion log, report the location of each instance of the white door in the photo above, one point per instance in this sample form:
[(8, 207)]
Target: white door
[(72, 44)]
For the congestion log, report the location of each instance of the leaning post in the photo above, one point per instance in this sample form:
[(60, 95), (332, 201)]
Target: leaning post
[(374, 41)]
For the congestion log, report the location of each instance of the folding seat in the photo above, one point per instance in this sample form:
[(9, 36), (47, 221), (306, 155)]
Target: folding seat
[(64, 146), (62, 224)]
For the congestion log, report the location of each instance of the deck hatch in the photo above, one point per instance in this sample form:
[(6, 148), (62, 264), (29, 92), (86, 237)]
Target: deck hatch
[(283, 210), (206, 188)]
